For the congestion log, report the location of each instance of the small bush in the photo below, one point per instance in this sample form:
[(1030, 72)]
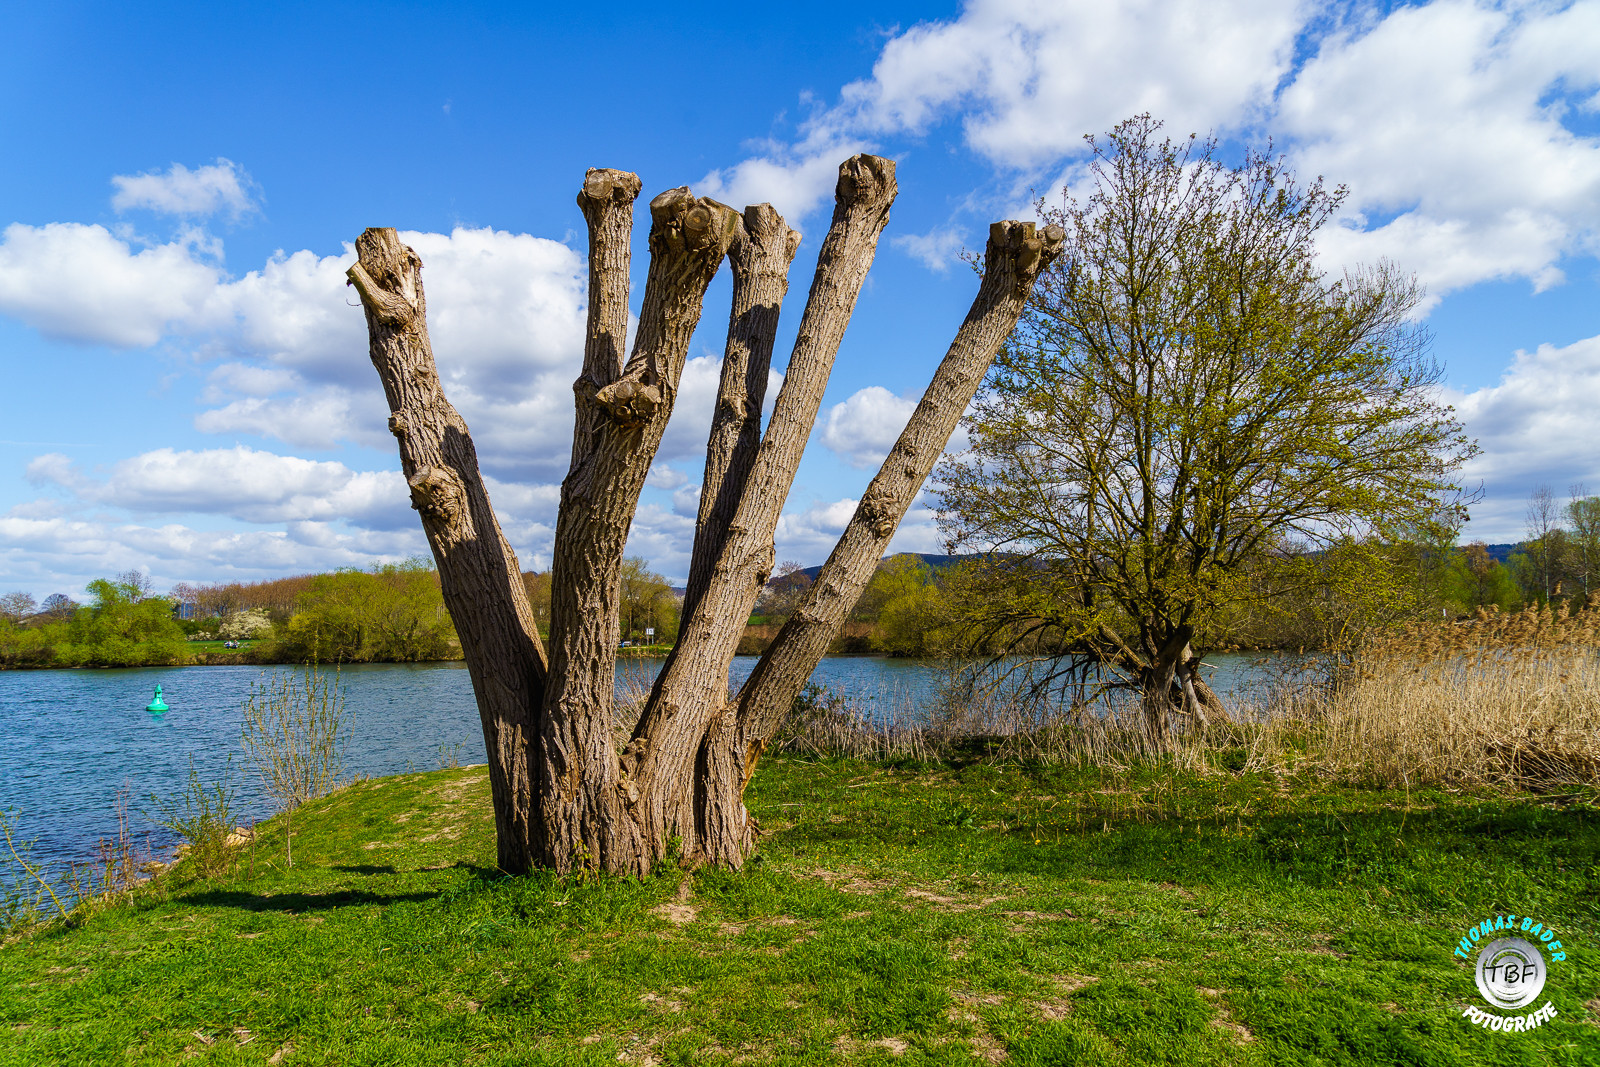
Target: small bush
[(294, 734), (203, 816)]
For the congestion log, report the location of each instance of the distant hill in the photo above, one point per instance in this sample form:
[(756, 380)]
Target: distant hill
[(1500, 553), (934, 560)]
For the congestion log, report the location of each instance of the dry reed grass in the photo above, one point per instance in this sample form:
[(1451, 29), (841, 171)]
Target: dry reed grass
[(1498, 699)]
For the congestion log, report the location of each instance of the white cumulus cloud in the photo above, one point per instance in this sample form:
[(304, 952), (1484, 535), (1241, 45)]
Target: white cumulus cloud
[(1448, 122), (202, 192), (1452, 122), (506, 315), (937, 249), (1029, 79), (810, 533), (794, 180), (61, 553), (862, 429), (1535, 426), (82, 284), (242, 483)]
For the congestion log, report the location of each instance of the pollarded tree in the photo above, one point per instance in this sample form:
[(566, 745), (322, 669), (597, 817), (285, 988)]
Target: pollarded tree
[(564, 796)]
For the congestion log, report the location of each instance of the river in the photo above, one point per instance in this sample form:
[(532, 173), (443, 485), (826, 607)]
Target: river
[(70, 740)]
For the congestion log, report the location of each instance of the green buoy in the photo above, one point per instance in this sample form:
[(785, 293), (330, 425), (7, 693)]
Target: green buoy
[(156, 706)]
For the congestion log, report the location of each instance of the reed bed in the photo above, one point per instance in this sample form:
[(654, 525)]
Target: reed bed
[(1507, 699), (1501, 698)]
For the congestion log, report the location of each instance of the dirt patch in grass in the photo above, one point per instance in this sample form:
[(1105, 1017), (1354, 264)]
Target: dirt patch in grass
[(853, 881), (952, 904), (987, 1049), (675, 913), (1241, 1033)]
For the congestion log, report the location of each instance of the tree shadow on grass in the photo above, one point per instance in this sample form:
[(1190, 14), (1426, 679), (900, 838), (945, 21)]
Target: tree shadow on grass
[(364, 868), (298, 902)]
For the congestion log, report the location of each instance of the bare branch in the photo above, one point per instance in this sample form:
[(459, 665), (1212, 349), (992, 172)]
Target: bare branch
[(606, 201), (478, 572), (1014, 258), (760, 256)]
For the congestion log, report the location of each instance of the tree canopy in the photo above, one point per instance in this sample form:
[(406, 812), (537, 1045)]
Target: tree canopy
[(393, 613), (125, 626), (1188, 405)]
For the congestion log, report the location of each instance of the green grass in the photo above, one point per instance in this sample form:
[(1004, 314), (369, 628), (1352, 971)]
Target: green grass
[(950, 915)]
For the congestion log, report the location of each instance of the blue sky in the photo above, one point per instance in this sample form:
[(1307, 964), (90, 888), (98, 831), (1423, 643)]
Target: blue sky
[(188, 383)]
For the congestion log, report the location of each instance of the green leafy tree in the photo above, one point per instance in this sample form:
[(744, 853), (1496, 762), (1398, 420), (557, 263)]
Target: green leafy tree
[(1187, 408), (537, 585), (907, 606), (1481, 582), (648, 603), (392, 613), (1583, 513), (125, 626)]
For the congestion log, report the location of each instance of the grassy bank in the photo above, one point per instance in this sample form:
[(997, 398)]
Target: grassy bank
[(955, 914)]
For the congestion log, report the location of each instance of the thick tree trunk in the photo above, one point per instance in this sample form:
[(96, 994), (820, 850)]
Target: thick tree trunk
[(691, 689), (585, 797), (1012, 261), (564, 798), (478, 572), (1164, 687)]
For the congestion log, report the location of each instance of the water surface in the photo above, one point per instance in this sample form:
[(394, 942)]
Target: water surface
[(70, 740)]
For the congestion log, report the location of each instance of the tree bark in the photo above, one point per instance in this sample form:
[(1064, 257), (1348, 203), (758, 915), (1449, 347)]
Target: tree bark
[(584, 796), (606, 201), (1012, 261), (760, 256), (692, 686), (564, 797), (478, 571)]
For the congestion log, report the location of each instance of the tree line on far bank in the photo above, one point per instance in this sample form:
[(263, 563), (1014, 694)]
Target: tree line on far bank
[(391, 613), (395, 613)]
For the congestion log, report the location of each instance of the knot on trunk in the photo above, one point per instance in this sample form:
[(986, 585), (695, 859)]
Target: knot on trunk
[(628, 791), (438, 494), (398, 424), (1017, 253), (631, 758), (629, 402), (686, 225), (388, 276), (879, 511)]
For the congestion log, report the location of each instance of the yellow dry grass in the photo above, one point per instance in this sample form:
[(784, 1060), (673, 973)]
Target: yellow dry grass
[(1502, 698)]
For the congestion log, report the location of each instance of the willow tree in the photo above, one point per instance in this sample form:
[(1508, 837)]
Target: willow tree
[(1189, 411), (565, 796)]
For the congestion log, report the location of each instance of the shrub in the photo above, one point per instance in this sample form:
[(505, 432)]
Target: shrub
[(293, 734), (203, 816)]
